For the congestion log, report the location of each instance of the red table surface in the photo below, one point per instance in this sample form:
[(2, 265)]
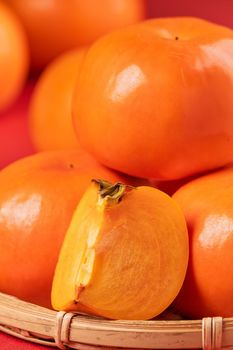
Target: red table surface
[(8, 342)]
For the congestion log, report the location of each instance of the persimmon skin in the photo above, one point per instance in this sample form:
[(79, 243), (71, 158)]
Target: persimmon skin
[(14, 57), (161, 99), (122, 259), (51, 124), (207, 205), (37, 199), (54, 27)]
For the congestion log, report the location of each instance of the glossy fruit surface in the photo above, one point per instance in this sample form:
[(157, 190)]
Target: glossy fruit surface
[(208, 207), (125, 253), (161, 99), (15, 142), (57, 26), (13, 57), (51, 124), (37, 199)]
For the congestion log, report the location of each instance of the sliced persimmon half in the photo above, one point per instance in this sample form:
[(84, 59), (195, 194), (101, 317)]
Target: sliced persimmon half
[(125, 253)]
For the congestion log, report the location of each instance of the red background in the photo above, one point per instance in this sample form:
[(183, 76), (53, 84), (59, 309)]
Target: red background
[(219, 11)]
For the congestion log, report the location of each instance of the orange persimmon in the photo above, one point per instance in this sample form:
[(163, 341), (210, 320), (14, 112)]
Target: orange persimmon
[(37, 199), (124, 255), (51, 124), (208, 207), (57, 26), (160, 104), (14, 58)]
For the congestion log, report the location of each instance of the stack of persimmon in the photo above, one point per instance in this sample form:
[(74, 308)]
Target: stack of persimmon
[(162, 108), (82, 225), (34, 33)]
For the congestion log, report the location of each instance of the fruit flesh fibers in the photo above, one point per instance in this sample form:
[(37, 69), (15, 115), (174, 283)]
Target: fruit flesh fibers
[(138, 256)]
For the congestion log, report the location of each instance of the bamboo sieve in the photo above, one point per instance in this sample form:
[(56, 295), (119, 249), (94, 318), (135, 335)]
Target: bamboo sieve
[(78, 331)]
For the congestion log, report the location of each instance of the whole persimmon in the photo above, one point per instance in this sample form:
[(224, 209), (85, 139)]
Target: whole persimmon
[(125, 253), (37, 198), (57, 26), (51, 124), (160, 104), (14, 58), (15, 142), (208, 207)]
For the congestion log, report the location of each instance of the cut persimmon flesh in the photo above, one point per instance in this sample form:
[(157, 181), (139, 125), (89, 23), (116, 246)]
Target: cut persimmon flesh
[(125, 253)]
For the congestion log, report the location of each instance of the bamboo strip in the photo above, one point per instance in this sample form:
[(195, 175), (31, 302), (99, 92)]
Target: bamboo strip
[(38, 324)]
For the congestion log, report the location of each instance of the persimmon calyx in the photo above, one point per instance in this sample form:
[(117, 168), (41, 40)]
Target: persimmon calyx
[(111, 193)]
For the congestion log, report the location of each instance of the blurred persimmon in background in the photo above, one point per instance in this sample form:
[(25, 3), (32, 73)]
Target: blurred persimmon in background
[(14, 136), (14, 59), (51, 124), (57, 26)]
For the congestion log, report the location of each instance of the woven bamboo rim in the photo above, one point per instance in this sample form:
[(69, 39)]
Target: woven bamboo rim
[(77, 331)]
